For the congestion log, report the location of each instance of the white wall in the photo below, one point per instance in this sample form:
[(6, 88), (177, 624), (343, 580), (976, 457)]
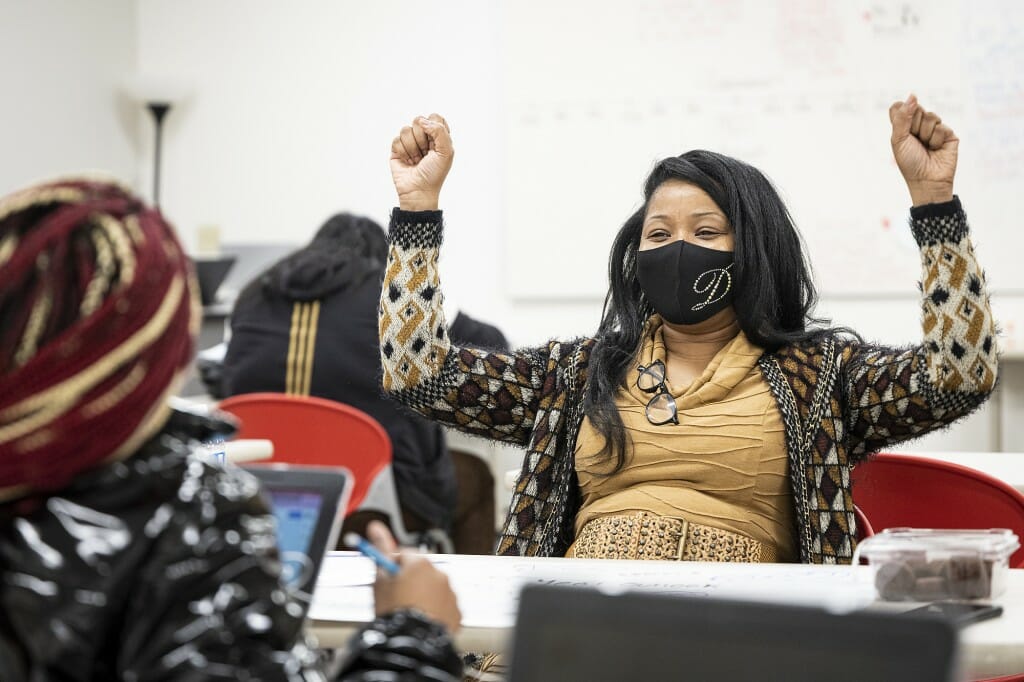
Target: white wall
[(64, 62), (293, 108), (290, 114)]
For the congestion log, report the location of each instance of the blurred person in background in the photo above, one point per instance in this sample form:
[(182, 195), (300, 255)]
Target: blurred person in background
[(325, 296)]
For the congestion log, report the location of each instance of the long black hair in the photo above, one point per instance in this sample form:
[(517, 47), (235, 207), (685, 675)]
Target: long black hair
[(774, 289), (346, 251)]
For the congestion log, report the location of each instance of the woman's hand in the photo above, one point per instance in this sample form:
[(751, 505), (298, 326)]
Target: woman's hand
[(417, 586), (421, 157), (925, 152)]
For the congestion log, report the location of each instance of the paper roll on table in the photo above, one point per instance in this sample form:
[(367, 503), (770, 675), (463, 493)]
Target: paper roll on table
[(248, 450)]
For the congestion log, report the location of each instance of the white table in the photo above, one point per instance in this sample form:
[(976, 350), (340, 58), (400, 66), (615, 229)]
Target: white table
[(488, 588)]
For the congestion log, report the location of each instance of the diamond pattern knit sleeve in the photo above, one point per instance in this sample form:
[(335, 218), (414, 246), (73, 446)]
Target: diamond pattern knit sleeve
[(898, 395), (477, 391)]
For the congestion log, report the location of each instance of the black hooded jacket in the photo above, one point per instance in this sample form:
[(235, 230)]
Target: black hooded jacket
[(344, 366)]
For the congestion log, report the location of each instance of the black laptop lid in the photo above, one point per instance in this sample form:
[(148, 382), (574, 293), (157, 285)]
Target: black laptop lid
[(573, 635), (211, 273), (308, 504)]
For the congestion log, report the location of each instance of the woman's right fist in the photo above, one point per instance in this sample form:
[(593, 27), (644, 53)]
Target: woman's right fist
[(421, 157)]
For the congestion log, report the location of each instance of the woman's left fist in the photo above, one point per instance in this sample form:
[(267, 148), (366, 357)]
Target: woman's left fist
[(925, 150)]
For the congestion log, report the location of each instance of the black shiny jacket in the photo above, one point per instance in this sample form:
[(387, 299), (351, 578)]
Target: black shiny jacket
[(164, 567)]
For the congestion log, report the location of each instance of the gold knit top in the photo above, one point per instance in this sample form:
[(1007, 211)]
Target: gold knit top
[(724, 465)]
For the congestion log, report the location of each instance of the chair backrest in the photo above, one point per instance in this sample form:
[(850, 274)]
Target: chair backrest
[(908, 490), (864, 527), (315, 431)]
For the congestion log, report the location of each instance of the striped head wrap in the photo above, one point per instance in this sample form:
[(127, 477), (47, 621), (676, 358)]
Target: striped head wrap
[(98, 317)]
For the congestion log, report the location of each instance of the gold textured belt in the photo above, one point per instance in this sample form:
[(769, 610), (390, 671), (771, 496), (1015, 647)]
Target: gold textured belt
[(649, 536)]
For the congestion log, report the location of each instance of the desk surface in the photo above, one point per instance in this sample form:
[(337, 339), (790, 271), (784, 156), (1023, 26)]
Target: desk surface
[(488, 589)]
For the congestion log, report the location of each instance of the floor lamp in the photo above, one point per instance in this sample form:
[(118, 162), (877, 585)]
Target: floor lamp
[(158, 110)]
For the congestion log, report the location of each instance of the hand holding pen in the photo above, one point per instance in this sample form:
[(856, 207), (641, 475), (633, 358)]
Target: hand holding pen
[(368, 550), (415, 584)]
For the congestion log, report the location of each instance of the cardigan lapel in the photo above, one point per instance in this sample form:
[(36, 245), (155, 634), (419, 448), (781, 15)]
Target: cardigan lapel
[(798, 460), (804, 382)]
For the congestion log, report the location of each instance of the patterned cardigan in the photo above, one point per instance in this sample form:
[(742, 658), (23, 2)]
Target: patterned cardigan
[(840, 399)]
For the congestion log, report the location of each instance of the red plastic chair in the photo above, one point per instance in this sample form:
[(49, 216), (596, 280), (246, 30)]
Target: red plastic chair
[(316, 431), (908, 490), (864, 527)]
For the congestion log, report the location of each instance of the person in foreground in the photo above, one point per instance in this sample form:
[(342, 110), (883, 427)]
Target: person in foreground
[(123, 556), (710, 417)]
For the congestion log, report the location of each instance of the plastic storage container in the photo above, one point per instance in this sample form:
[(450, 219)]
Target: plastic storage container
[(923, 564)]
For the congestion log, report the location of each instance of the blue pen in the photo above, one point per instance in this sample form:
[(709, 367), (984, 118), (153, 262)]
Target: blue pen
[(364, 546)]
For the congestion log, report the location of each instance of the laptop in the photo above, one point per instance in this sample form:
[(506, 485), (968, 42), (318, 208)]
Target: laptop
[(211, 273), (252, 258), (308, 504), (576, 635)]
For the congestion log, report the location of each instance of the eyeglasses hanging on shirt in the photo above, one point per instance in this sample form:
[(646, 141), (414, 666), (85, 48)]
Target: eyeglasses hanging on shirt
[(661, 408)]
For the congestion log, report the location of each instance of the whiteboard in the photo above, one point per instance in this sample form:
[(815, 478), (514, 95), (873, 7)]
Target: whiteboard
[(596, 93)]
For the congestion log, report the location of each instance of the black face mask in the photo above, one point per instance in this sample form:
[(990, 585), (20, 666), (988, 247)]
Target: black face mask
[(684, 282)]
